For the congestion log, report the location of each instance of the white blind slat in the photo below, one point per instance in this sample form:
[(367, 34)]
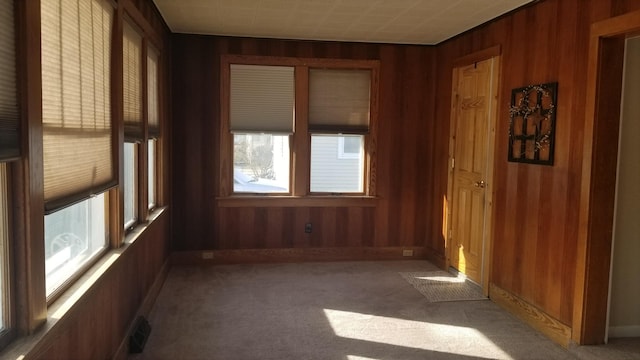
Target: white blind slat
[(261, 98), (9, 124), (339, 100), (76, 105)]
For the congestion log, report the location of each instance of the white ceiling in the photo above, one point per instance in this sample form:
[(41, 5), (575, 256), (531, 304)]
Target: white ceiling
[(384, 21)]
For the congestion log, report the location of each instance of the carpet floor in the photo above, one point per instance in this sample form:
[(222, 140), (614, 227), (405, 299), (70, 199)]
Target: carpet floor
[(342, 311)]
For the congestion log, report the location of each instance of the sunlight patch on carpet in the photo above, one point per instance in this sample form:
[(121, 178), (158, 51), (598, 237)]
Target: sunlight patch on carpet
[(439, 286), (413, 337)]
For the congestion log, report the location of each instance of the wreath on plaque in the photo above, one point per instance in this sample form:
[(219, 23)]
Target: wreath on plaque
[(532, 120)]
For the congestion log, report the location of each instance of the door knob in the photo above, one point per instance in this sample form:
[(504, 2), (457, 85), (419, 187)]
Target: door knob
[(479, 184)]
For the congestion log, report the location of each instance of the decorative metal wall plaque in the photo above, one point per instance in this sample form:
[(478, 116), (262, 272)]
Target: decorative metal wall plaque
[(532, 120)]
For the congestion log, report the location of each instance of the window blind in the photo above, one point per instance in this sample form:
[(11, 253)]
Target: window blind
[(76, 106), (132, 83), (9, 124), (261, 98), (339, 100), (153, 103)]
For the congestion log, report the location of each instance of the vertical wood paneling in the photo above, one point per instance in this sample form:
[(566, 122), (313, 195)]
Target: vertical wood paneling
[(274, 225), (288, 231), (545, 29), (246, 236), (300, 238), (411, 110), (536, 208), (95, 328), (404, 181)]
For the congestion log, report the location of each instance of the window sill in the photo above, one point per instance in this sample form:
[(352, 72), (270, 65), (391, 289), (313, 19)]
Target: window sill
[(296, 201), (133, 234), (63, 308)]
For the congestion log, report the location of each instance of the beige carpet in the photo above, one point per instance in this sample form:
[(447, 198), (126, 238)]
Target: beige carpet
[(326, 311), (438, 286)]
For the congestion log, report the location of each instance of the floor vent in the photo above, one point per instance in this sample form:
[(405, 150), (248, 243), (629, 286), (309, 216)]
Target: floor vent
[(139, 336)]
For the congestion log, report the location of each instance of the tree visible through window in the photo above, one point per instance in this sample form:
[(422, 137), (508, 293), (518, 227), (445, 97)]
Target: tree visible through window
[(260, 163)]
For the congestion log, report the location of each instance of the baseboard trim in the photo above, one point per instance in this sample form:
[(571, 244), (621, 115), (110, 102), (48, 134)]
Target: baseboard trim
[(143, 310), (624, 331), (240, 256), (536, 318)]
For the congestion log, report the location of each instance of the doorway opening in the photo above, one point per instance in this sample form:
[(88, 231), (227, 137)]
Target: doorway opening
[(598, 180), (623, 316)]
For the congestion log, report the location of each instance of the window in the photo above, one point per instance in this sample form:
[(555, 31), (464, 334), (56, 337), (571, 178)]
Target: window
[(4, 250), (130, 157), (337, 164), (76, 100), (261, 119), (297, 126), (142, 125), (74, 236), (132, 117), (9, 150), (151, 186), (153, 124), (77, 135), (260, 163), (339, 102)]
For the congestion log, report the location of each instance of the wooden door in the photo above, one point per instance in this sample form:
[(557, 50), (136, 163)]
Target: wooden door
[(472, 110)]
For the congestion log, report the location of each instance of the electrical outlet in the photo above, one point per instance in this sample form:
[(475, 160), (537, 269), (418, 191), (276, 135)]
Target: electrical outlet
[(308, 228), (407, 252), (207, 255)]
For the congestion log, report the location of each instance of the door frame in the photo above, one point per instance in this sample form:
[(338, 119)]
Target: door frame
[(598, 180), (494, 53), (616, 211)]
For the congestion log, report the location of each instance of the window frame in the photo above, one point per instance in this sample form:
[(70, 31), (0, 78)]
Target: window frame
[(8, 217), (30, 308), (108, 190), (130, 224), (152, 177), (300, 140), (81, 270), (266, 193), (7, 331), (144, 208), (339, 157)]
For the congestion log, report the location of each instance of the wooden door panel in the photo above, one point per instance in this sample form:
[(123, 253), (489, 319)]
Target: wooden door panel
[(470, 168), (468, 227)]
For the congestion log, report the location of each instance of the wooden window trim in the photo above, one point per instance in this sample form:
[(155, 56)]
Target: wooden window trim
[(8, 306), (26, 179), (136, 20), (80, 271), (300, 140), (296, 201), (130, 225), (62, 312)]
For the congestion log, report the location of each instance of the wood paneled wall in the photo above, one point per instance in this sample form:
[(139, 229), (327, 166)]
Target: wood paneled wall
[(536, 207), (408, 152), (96, 327), (239, 227), (92, 318)]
